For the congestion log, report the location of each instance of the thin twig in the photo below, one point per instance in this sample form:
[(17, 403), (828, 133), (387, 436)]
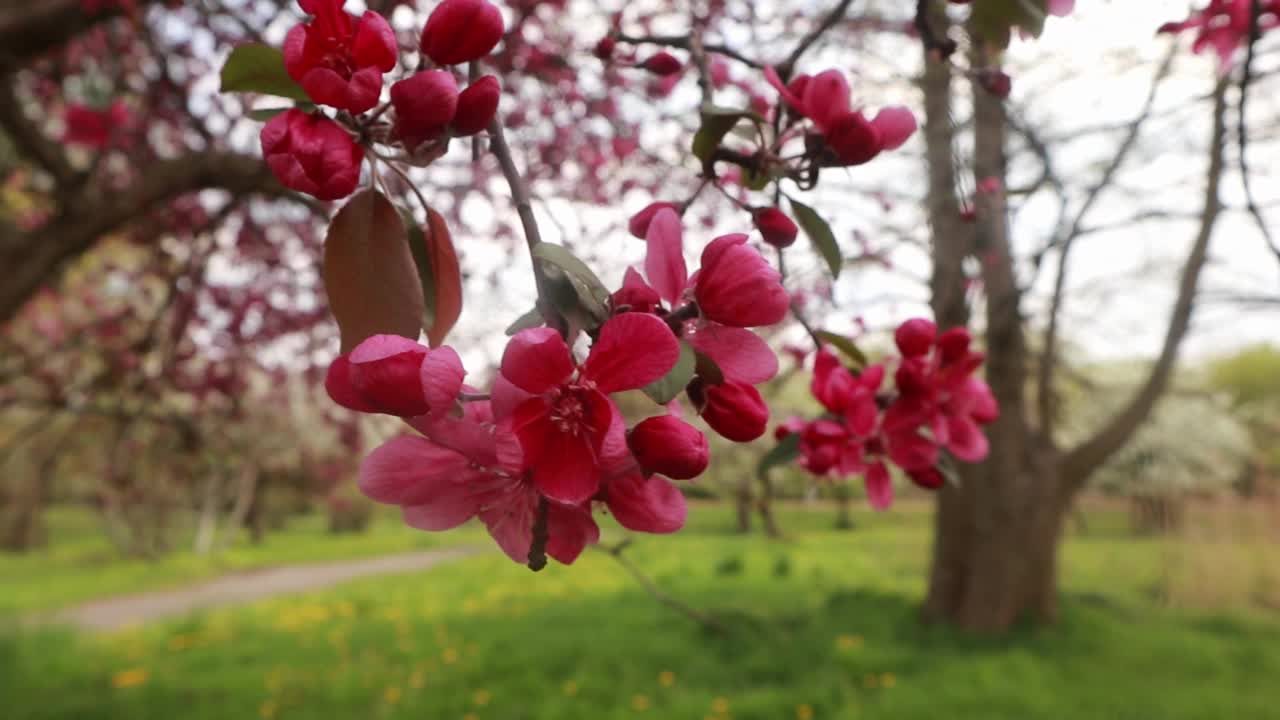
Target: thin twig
[(1242, 134), (520, 197), (796, 311), (828, 22), (703, 619)]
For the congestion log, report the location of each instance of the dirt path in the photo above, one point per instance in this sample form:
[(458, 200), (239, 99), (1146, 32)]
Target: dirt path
[(242, 588)]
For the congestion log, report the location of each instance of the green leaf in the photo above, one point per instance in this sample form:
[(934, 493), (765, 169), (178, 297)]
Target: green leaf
[(259, 68), (708, 369), (820, 235), (531, 319), (368, 272), (994, 20), (785, 452), (665, 389), (591, 292), (753, 180), (845, 346), (265, 114), (438, 272), (716, 123)]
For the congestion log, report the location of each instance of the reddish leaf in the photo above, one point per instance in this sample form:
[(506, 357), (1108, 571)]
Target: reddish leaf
[(369, 272), (440, 276)]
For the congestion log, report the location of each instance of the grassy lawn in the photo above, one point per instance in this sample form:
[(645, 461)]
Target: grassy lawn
[(822, 625), (80, 564)]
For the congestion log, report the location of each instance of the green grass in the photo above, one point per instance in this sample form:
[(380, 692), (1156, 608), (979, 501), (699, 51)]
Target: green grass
[(822, 625)]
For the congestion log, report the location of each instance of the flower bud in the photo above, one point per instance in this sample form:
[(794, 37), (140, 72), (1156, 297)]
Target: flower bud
[(736, 286), (914, 337), (477, 105), (425, 103), (664, 63), (996, 82), (735, 410), (604, 49), (460, 31), (669, 446), (312, 154), (777, 229), (395, 375), (929, 478), (954, 344), (639, 223)]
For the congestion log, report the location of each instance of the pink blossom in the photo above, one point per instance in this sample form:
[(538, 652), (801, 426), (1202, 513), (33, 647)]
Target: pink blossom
[(1224, 26), (460, 31), (562, 425), (312, 154), (340, 60)]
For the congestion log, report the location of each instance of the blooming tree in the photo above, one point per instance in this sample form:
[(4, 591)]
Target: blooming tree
[(377, 108)]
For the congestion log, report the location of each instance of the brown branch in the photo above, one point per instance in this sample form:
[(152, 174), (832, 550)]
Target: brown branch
[(1046, 399), (1242, 131), (1082, 460), (29, 30), (952, 237), (524, 207), (32, 259), (27, 137), (703, 619), (836, 15), (682, 42), (936, 44)]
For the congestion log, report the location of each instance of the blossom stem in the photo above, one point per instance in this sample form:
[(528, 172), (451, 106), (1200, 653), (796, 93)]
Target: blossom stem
[(796, 310), (524, 208), (538, 548), (703, 619)]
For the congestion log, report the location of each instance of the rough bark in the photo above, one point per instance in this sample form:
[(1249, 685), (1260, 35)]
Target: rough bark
[(997, 532)]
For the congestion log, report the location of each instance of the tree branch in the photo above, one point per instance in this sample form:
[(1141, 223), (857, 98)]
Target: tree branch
[(703, 619), (837, 13), (1045, 397), (31, 259), (1082, 460)]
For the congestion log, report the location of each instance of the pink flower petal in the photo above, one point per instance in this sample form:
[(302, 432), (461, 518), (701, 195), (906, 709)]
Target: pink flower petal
[(563, 463), (664, 261), (651, 504), (537, 360), (740, 353), (505, 397), (410, 471), (569, 531), (633, 350), (509, 520), (895, 125), (441, 375), (879, 486), (966, 440), (826, 96)]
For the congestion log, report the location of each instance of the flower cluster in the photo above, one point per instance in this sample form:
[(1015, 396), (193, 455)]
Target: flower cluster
[(1225, 26), (844, 136), (340, 61), (734, 289), (547, 443), (939, 404)]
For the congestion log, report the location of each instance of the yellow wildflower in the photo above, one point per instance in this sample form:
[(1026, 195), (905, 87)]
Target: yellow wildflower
[(130, 678)]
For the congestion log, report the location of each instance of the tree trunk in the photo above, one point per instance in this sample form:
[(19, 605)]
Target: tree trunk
[(743, 504), (765, 505), (844, 507)]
